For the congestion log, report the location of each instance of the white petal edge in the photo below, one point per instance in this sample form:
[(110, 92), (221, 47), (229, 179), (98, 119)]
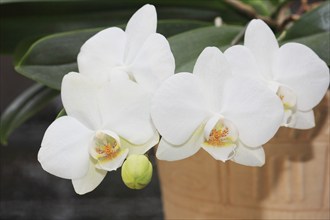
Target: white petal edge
[(140, 149), (254, 109), (260, 39), (298, 67), (154, 62), (178, 108), (102, 52), (254, 157), (64, 148), (303, 120), (169, 152), (126, 111), (90, 181), (139, 27)]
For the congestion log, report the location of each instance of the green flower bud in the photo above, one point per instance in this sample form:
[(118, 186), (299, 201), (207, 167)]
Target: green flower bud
[(136, 171)]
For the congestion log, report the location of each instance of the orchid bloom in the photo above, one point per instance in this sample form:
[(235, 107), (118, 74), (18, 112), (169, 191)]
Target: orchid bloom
[(293, 71), (229, 117), (104, 124), (138, 53)]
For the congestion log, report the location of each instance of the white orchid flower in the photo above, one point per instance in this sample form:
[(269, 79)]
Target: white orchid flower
[(138, 53), (229, 117), (293, 71), (105, 123)]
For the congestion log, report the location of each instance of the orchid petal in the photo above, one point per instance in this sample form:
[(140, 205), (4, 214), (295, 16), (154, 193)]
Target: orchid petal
[(113, 163), (178, 108), (64, 148), (255, 110), (260, 39), (125, 109), (299, 68), (243, 62), (102, 52), (244, 155), (213, 70), (80, 97), (142, 148), (169, 152), (139, 27), (220, 153), (90, 181), (303, 120), (153, 63)]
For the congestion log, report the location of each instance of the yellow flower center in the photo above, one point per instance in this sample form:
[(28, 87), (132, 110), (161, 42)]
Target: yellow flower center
[(221, 134), (108, 151), (106, 146)]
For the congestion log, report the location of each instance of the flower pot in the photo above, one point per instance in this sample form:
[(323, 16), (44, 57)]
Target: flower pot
[(293, 184)]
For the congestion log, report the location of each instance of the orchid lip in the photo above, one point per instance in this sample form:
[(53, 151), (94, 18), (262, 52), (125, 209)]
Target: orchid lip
[(220, 132), (106, 146), (220, 138), (289, 101), (287, 96)]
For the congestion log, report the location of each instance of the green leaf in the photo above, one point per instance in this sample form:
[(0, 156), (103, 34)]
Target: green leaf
[(313, 22), (169, 28), (261, 7), (23, 107), (186, 51), (313, 30), (37, 19), (61, 113), (49, 59)]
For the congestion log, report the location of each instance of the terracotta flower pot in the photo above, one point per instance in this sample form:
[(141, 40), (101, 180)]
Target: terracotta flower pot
[(293, 184)]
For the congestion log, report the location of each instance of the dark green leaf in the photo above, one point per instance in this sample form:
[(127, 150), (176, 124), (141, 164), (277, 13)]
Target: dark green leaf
[(313, 22), (36, 19), (23, 107), (50, 58), (169, 28), (261, 7), (312, 30), (186, 51), (61, 113)]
